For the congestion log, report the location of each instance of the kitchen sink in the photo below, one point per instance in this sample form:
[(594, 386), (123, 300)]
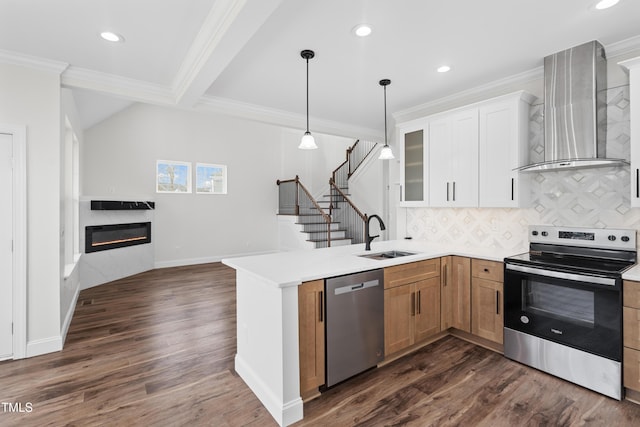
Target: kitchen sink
[(387, 255)]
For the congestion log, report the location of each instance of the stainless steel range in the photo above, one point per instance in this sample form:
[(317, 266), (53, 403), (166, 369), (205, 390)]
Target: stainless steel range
[(563, 304)]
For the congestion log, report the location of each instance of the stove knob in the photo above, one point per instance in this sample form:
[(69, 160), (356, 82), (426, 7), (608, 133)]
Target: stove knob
[(545, 234), (524, 319), (611, 238), (534, 233), (625, 238)]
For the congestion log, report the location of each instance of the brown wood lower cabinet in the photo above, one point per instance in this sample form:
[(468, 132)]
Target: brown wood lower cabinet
[(411, 304), (631, 333), (411, 314), (311, 336), (487, 317), (456, 293)]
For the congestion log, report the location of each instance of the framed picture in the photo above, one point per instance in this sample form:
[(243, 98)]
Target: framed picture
[(173, 177), (211, 179)]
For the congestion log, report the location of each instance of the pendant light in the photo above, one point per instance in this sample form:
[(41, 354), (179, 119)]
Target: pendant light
[(385, 153), (307, 142)]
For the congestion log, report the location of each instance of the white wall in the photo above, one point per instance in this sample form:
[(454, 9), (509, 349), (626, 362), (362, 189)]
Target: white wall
[(366, 184), (314, 167), (32, 97), (119, 161)]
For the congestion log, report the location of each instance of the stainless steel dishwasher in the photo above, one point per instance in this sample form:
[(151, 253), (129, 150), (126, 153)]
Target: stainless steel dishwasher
[(355, 324)]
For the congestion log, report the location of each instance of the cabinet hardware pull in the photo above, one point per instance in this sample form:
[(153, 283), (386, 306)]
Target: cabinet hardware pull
[(497, 302), (637, 183), (486, 270), (400, 192), (321, 294), (454, 191), (413, 303), (418, 302), (512, 185), (447, 191), (444, 273)]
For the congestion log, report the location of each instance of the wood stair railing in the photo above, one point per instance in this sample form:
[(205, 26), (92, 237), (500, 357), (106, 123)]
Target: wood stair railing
[(344, 220), (295, 199), (355, 156)]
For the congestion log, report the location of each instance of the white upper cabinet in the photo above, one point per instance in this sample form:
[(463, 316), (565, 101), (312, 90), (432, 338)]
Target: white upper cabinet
[(453, 159), (633, 65), (413, 159), (466, 157), (503, 145)]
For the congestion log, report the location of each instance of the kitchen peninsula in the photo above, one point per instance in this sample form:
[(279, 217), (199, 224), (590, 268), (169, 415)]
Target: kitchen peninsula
[(267, 357)]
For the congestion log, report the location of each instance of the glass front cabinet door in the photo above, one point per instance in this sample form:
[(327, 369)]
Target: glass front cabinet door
[(414, 151)]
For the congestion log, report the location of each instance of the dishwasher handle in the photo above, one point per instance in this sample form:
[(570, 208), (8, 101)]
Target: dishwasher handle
[(356, 287)]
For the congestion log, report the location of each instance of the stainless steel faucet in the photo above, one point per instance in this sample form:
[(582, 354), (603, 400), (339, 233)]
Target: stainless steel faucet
[(367, 238)]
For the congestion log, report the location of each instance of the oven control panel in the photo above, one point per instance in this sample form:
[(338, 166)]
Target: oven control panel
[(621, 239)]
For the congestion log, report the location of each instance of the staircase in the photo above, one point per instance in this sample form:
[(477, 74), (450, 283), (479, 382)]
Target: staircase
[(333, 220)]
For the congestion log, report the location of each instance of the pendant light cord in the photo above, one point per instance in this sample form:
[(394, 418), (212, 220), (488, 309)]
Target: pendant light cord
[(385, 153), (307, 94), (385, 115)]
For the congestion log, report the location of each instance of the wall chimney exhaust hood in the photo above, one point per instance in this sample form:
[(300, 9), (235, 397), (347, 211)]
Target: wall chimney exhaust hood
[(574, 105)]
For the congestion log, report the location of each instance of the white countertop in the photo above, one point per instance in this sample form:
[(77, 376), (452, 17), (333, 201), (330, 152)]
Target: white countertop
[(632, 274), (285, 269)]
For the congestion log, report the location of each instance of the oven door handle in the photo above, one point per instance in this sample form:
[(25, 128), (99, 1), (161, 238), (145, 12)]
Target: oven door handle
[(562, 275)]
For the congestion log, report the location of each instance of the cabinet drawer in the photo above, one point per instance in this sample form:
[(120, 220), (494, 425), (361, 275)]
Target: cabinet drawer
[(489, 270), (631, 327), (631, 294), (412, 272), (631, 369)]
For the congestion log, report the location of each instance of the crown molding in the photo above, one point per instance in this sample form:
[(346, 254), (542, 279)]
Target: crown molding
[(623, 47), (123, 87), (630, 64), (446, 102), (284, 118), (620, 48), (20, 59)]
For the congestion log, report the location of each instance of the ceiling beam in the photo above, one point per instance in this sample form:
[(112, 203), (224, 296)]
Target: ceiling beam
[(228, 27)]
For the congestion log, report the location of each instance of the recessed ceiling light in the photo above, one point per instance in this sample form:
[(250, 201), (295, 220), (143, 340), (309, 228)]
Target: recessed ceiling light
[(362, 30), (111, 37), (605, 4), (443, 69)]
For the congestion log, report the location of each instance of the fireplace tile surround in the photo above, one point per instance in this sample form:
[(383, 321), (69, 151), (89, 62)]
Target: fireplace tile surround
[(105, 266)]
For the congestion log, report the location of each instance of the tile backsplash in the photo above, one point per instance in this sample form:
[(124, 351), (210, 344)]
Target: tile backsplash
[(594, 197)]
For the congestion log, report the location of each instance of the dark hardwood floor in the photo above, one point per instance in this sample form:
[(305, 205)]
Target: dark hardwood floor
[(157, 349)]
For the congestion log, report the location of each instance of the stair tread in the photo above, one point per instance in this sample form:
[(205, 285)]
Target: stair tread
[(335, 230), (326, 240), (316, 223)]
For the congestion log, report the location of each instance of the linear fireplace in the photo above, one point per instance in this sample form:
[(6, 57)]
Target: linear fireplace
[(104, 237)]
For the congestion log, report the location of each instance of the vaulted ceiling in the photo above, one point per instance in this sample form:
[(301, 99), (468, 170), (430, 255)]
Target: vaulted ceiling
[(243, 56)]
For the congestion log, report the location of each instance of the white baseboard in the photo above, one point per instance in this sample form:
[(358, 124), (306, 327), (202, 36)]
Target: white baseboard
[(204, 260), (44, 346), (285, 413), (69, 316)]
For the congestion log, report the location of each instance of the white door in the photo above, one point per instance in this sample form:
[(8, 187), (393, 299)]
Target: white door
[(6, 244)]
